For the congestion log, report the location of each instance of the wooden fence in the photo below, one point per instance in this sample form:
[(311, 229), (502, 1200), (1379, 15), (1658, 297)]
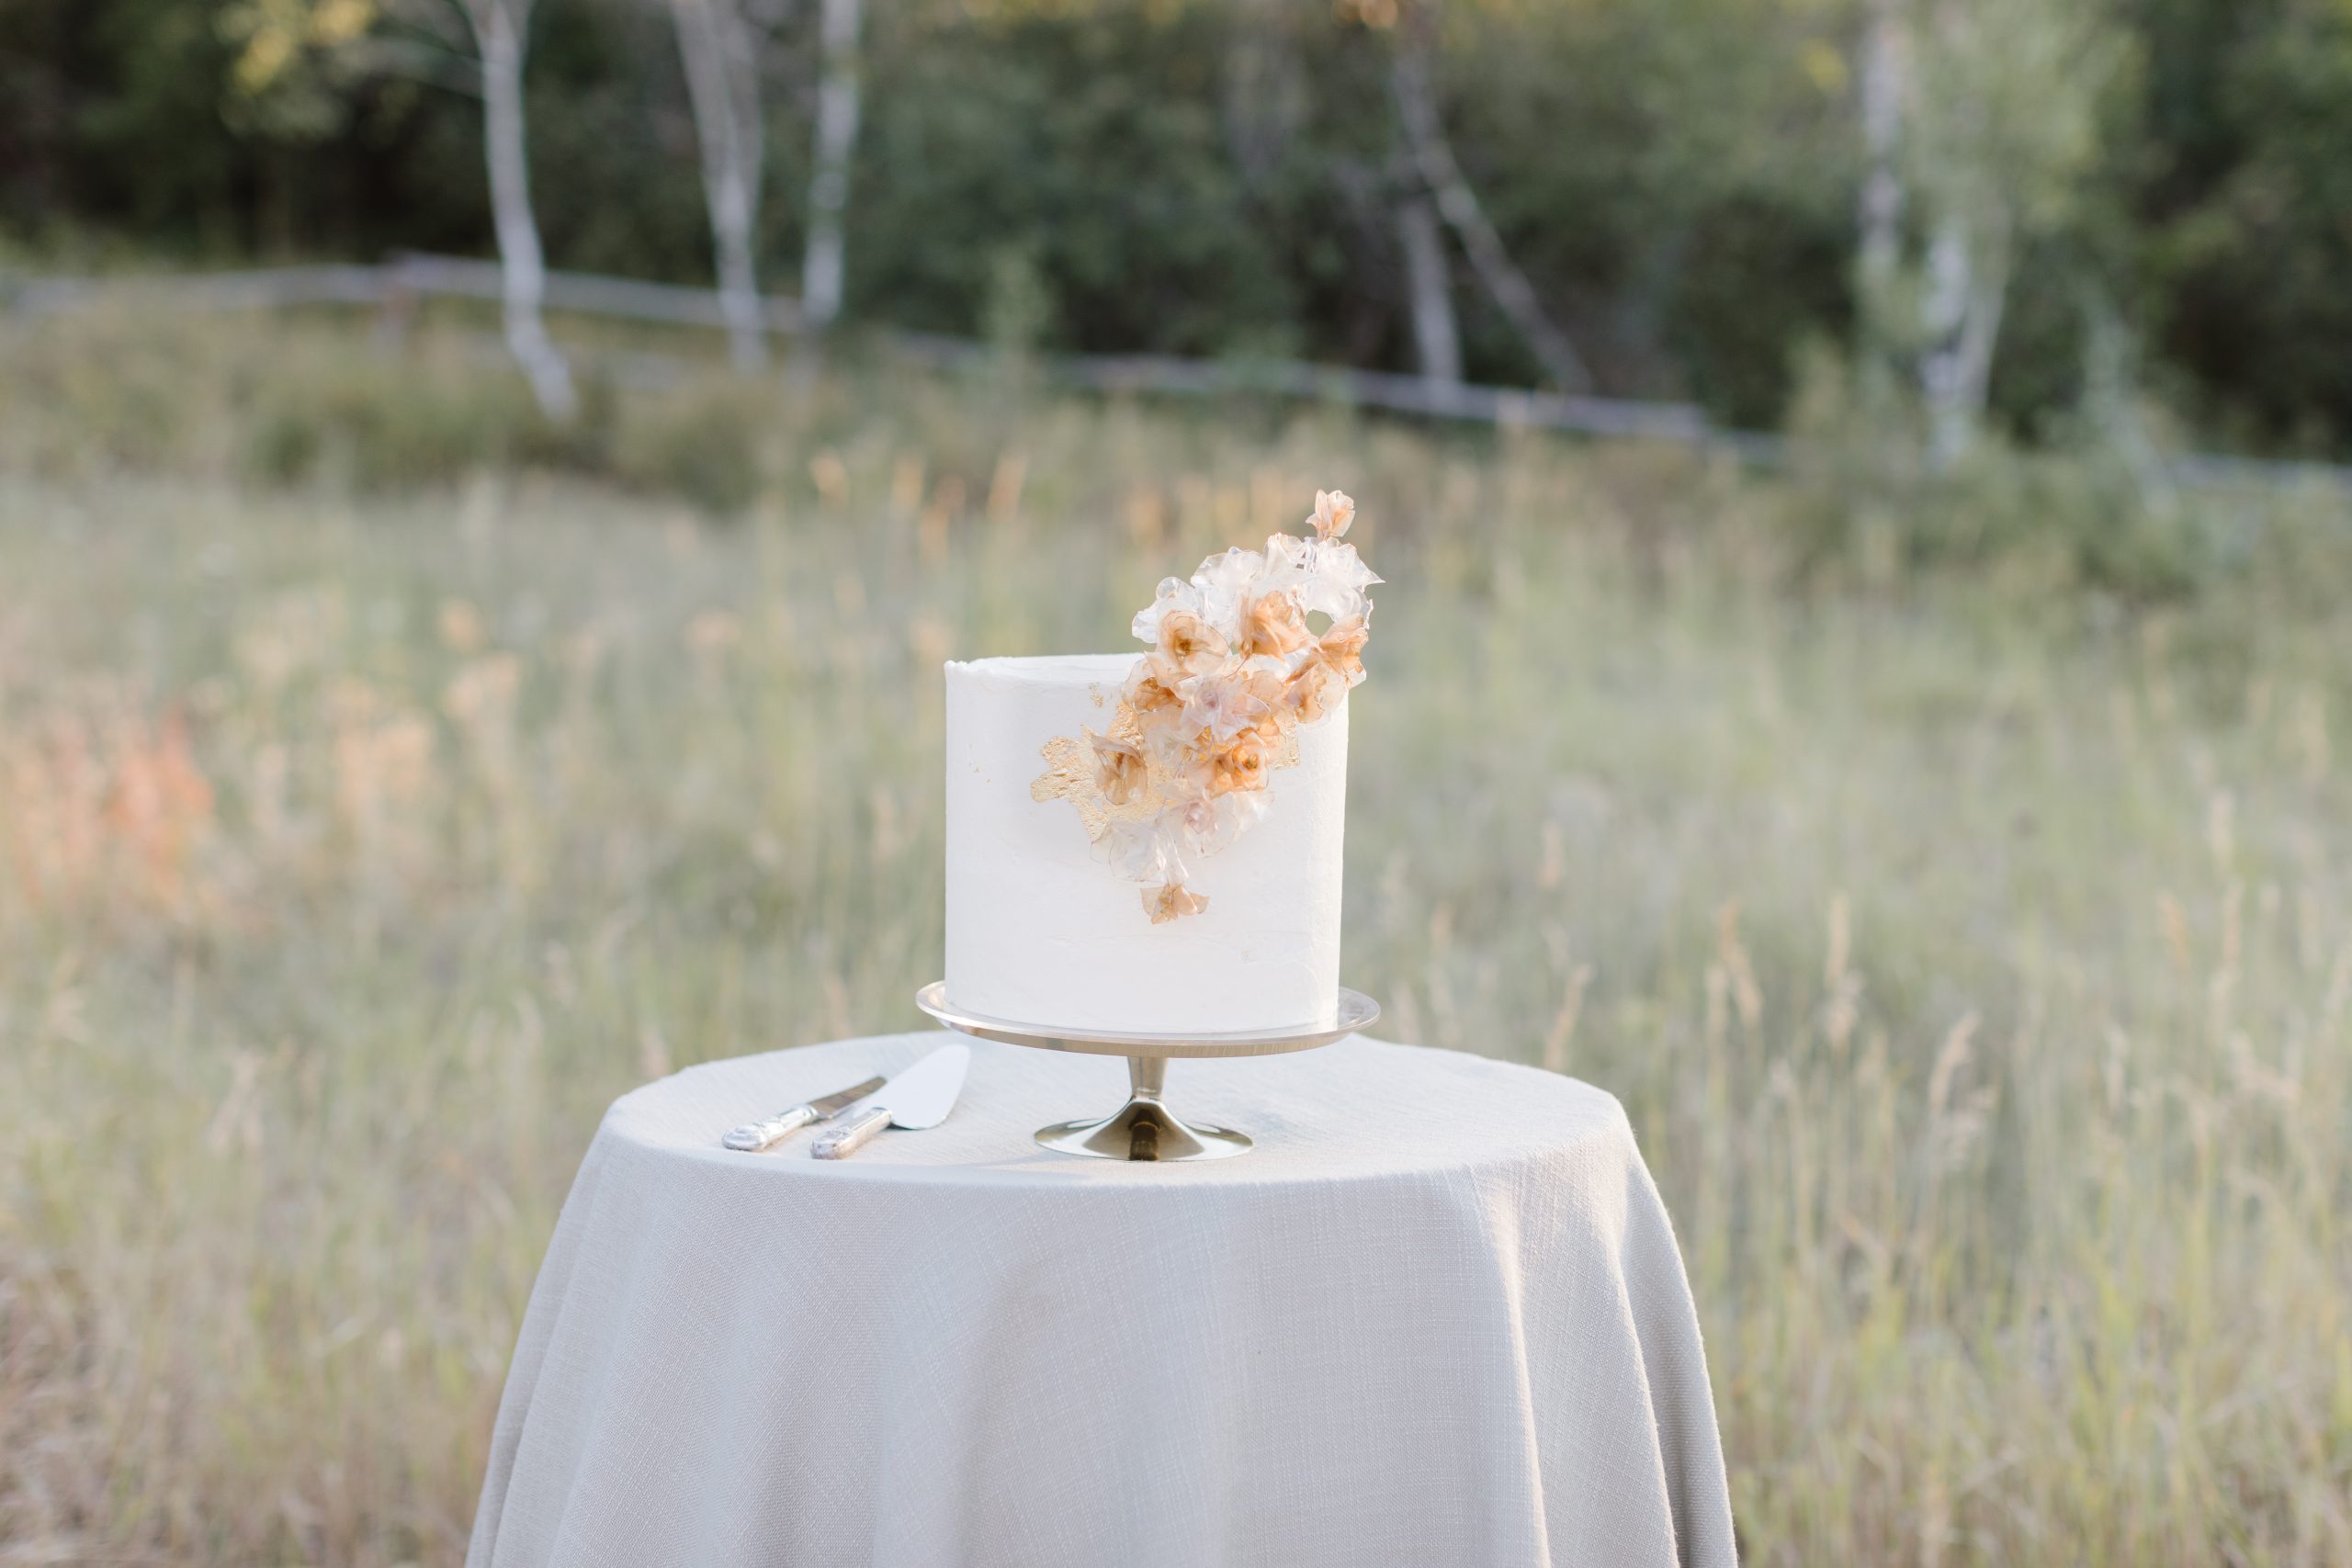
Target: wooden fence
[(396, 284), (408, 277)]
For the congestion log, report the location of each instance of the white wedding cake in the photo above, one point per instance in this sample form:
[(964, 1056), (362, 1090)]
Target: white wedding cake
[(1175, 866)]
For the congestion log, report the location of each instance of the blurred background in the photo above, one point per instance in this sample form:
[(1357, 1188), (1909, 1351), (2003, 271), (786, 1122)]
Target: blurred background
[(486, 488)]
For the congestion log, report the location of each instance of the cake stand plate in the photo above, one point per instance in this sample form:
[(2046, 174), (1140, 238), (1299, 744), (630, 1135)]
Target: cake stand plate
[(1143, 1128)]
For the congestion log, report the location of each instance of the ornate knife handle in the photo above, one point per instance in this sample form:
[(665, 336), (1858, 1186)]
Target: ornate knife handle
[(754, 1136), (840, 1142)]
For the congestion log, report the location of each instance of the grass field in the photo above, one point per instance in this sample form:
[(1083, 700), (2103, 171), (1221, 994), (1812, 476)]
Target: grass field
[(1971, 946)]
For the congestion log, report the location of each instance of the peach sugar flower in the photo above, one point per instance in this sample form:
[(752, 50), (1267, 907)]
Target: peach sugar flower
[(1119, 770), (1211, 711)]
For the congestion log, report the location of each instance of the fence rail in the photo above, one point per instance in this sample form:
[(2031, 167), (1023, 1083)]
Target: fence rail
[(409, 276)]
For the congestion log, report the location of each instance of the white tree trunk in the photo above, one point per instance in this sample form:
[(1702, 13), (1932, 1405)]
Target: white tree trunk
[(498, 28), (2110, 396), (1968, 283), (1433, 159), (1884, 72), (837, 110), (723, 82), (1437, 342)]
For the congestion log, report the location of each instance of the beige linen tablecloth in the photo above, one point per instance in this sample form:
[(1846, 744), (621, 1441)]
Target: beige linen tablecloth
[(1436, 1317)]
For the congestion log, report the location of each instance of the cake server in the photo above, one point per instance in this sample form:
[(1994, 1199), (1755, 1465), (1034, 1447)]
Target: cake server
[(918, 1097), (754, 1136)]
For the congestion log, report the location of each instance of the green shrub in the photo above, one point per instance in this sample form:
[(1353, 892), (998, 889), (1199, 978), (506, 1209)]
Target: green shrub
[(1864, 498), (703, 444), (287, 446)]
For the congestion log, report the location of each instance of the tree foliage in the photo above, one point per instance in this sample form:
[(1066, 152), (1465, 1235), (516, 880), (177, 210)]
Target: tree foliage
[(1676, 177)]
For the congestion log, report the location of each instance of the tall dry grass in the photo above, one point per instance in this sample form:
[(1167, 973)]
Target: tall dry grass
[(1974, 953)]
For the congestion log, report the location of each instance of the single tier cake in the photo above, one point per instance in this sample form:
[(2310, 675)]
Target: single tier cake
[(1041, 931), (1151, 843)]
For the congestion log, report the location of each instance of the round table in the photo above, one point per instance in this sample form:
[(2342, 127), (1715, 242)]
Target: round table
[(1436, 1316)]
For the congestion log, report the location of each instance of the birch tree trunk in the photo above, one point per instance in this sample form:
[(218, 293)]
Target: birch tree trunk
[(2109, 385), (1881, 205), (723, 83), (2108, 396), (837, 110), (1968, 282), (1433, 161), (498, 28), (1437, 340), (1988, 111)]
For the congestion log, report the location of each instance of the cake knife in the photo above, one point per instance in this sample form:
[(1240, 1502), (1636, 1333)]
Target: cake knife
[(754, 1136), (916, 1098)]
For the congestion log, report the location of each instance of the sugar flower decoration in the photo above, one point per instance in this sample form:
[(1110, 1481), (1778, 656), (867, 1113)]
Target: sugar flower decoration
[(1212, 711)]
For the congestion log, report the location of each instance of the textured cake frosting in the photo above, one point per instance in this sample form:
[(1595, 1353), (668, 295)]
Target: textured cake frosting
[(1040, 933)]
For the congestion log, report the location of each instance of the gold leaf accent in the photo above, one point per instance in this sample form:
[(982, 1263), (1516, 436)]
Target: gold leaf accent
[(1069, 773), (1074, 772)]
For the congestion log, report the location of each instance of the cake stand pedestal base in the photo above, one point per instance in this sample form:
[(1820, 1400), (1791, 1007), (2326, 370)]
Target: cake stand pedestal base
[(1143, 1128)]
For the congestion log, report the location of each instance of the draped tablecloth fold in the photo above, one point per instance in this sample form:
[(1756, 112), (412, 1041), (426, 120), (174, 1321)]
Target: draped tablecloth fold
[(1436, 1317)]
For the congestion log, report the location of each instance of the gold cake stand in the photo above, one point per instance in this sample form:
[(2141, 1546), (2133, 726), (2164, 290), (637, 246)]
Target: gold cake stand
[(1143, 1128)]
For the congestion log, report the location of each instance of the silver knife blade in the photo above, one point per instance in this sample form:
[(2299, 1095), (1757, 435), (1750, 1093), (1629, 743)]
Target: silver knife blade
[(826, 1104), (918, 1097)]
